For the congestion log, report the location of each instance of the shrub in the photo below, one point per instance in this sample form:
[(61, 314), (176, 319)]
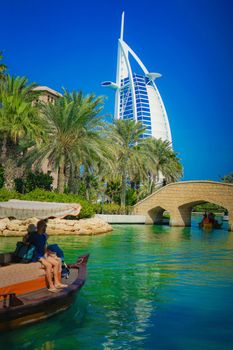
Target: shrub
[(131, 196), (41, 195), (98, 208), (20, 185), (38, 179), (87, 210), (210, 207), (5, 195)]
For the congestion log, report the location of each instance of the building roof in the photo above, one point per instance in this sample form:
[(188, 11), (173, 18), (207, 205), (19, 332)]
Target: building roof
[(47, 89)]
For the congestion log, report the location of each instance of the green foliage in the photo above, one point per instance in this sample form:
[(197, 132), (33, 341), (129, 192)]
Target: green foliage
[(86, 152), (137, 158), (32, 181), (41, 195), (131, 197), (18, 116), (113, 191), (6, 195), (3, 67), (1, 176), (208, 207), (127, 145), (87, 210), (20, 185), (72, 133), (227, 178)]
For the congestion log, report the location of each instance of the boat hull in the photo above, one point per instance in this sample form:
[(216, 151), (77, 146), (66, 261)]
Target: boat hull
[(31, 315), (210, 226), (43, 304)]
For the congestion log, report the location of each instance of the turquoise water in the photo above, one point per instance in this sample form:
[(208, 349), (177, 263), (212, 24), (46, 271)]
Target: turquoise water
[(148, 287)]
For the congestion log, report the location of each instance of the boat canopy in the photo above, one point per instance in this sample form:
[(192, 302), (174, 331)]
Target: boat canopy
[(21, 209)]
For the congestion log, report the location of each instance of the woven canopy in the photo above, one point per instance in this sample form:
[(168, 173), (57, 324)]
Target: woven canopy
[(42, 210)]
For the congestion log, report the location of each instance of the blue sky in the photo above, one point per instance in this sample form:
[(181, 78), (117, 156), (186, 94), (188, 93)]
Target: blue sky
[(73, 44)]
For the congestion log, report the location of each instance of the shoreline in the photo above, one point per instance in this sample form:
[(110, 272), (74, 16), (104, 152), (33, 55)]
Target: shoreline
[(55, 227)]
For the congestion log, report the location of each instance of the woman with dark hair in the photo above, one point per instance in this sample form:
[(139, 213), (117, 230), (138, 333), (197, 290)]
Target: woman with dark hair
[(51, 264)]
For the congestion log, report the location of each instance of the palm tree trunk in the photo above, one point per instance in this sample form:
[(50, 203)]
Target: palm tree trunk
[(4, 148), (71, 180), (61, 175), (123, 188)]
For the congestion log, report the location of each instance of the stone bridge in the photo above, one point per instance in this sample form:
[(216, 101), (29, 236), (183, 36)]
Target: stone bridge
[(180, 197)]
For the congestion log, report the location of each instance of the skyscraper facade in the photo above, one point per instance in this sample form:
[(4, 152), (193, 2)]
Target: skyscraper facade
[(136, 95)]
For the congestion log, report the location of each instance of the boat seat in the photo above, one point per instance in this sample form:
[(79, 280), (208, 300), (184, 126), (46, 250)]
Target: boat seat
[(21, 278)]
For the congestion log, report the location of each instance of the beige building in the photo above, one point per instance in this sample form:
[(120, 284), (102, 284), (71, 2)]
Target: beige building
[(48, 95)]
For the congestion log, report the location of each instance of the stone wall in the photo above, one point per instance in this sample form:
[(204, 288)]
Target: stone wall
[(91, 226)]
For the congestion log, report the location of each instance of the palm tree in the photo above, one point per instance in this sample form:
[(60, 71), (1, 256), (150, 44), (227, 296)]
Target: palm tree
[(19, 118), (141, 160), (125, 139), (3, 67), (72, 130), (18, 115), (227, 178), (161, 161)]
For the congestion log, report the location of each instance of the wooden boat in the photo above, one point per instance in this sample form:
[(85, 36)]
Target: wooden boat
[(29, 301), (210, 226)]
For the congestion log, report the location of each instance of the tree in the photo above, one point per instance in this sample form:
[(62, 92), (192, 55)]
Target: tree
[(125, 140), (33, 180), (3, 67), (162, 161), (141, 160), (227, 178), (19, 118), (72, 130)]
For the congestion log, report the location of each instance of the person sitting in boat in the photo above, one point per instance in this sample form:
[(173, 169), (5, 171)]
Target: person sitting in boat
[(205, 219), (31, 229), (52, 265), (211, 218), (213, 221)]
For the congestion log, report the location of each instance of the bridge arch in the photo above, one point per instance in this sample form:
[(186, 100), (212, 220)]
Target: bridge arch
[(180, 197), (156, 214)]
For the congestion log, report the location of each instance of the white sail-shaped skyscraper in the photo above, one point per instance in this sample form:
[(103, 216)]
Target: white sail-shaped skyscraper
[(137, 96)]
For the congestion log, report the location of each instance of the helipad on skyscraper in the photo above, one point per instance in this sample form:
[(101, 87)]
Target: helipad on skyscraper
[(136, 95)]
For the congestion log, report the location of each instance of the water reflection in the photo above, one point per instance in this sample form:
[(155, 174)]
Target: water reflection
[(48, 345), (140, 279)]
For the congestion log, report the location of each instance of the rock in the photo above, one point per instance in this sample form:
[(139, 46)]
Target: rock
[(30, 221), (18, 222), (5, 220), (3, 225), (55, 227), (8, 233), (16, 227)]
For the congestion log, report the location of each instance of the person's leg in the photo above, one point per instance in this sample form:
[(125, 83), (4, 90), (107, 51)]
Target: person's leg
[(56, 263), (48, 272)]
